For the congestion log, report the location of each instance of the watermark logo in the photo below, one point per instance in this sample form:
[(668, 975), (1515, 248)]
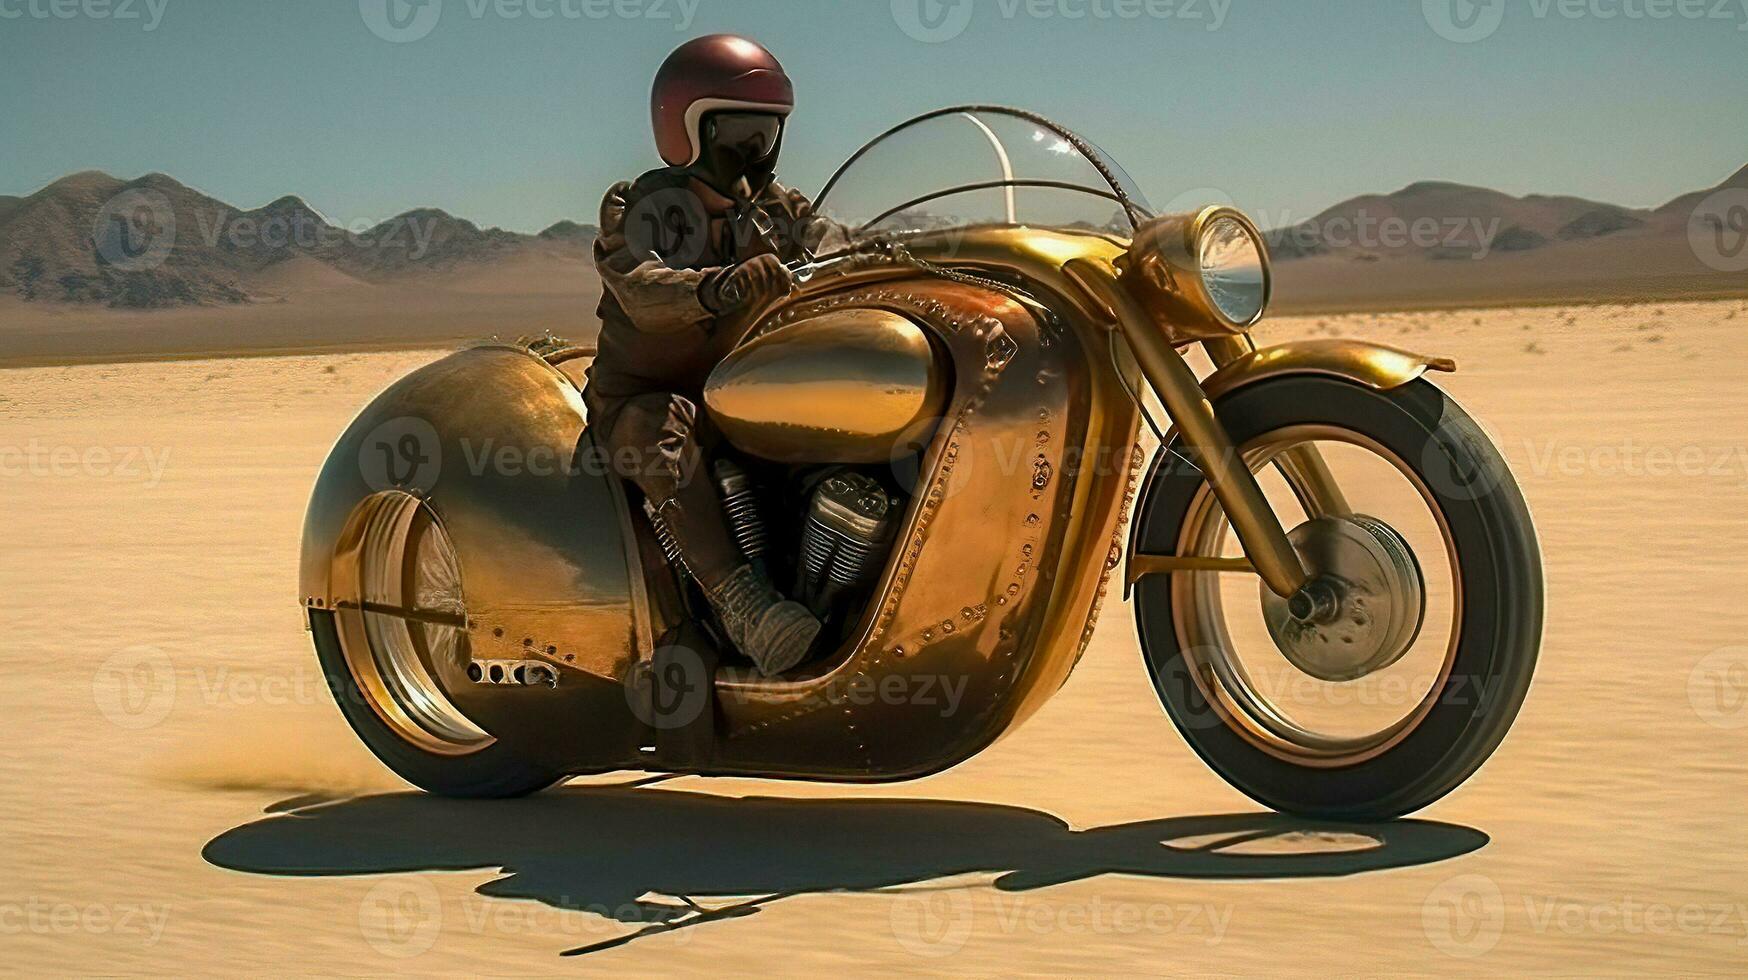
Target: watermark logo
[(1464, 21), (932, 21), (401, 454), (670, 223), (46, 917), (675, 690), (1460, 461), (1718, 688), (400, 21), (135, 230), (939, 21), (933, 925), (1718, 230), (402, 917), (135, 688), (149, 12), (1464, 916), (1469, 21)]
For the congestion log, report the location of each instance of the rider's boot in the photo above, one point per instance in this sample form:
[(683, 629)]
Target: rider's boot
[(774, 632)]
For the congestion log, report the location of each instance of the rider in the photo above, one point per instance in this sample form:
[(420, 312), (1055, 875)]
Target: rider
[(681, 247)]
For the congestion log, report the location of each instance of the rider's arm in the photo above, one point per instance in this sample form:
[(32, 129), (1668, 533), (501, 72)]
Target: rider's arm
[(655, 296)]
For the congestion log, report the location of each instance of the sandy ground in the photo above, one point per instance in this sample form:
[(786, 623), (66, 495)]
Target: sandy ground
[(164, 702)]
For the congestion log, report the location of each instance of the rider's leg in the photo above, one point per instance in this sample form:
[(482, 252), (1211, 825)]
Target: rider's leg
[(658, 442)]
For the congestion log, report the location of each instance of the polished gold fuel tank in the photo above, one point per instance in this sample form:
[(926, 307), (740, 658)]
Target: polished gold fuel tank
[(844, 386)]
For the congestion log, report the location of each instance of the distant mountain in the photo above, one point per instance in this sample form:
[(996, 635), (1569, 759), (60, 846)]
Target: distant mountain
[(1444, 244), (154, 242), (1440, 220), (1684, 205), (571, 231)]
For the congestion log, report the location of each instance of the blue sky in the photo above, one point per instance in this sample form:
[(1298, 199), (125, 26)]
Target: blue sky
[(520, 112)]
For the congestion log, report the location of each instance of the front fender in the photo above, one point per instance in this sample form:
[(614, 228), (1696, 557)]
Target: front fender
[(1373, 365)]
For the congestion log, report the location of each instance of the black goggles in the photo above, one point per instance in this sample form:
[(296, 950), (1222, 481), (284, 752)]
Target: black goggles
[(753, 134)]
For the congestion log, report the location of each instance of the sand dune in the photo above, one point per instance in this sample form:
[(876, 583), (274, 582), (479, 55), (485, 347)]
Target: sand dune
[(182, 796)]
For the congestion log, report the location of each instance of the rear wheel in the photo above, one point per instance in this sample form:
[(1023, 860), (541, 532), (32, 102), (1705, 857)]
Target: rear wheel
[(394, 645), (1399, 684)]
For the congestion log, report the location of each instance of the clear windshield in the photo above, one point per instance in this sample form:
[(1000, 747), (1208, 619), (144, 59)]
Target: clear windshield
[(981, 165)]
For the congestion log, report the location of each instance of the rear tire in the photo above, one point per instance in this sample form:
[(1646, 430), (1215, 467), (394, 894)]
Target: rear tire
[(491, 772), (1497, 635)]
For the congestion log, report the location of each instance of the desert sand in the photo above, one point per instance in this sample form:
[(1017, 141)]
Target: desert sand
[(175, 753)]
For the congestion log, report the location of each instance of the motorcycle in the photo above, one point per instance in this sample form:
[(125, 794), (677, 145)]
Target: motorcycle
[(937, 439)]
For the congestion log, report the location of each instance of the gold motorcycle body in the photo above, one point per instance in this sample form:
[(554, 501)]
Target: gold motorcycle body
[(495, 613)]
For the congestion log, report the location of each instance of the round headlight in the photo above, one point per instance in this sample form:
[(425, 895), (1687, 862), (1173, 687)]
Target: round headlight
[(1201, 274), (1232, 270)]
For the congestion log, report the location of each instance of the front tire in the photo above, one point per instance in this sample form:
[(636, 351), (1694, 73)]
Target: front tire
[(1496, 617)]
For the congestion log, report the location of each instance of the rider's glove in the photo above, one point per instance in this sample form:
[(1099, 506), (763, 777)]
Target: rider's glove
[(750, 283)]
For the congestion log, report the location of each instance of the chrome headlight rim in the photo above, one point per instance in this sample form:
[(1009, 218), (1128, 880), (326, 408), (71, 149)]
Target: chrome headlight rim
[(1163, 269), (1201, 231)]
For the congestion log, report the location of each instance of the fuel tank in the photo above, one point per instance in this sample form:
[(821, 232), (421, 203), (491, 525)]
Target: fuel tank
[(843, 386)]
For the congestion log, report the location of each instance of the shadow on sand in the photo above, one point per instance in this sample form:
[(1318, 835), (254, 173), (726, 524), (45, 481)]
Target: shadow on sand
[(602, 850)]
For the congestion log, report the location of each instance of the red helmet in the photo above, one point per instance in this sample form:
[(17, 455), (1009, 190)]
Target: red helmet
[(715, 73)]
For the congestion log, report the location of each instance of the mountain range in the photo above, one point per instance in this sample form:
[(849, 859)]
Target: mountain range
[(1436, 244), (94, 267), (154, 242)]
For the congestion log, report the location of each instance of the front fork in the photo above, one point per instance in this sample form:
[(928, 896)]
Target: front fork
[(1257, 525)]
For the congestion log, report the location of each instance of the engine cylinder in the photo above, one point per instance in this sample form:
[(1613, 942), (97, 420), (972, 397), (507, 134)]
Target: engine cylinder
[(844, 543)]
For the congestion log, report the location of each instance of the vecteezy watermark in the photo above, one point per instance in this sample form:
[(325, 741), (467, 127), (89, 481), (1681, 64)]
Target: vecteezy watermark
[(1717, 230), (403, 453), (1469, 21), (303, 231), (135, 230), (401, 917), (402, 21), (1467, 916), (1451, 236), (135, 688), (43, 917), (937, 21), (1464, 916), (675, 690), (1718, 688), (35, 459), (938, 924), (1630, 459), (148, 13), (405, 917)]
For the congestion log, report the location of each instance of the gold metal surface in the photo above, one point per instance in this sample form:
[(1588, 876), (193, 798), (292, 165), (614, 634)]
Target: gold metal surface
[(1141, 566), (1162, 270), (846, 386), (1000, 567), (1373, 365), (1192, 412), (490, 440), (999, 570), (1083, 270)]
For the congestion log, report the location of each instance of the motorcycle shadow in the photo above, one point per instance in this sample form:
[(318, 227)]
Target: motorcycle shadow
[(602, 850)]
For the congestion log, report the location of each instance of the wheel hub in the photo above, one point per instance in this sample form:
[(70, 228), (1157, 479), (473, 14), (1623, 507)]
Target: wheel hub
[(1363, 607)]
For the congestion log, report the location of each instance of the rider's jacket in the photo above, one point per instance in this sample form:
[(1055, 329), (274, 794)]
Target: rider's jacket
[(656, 249)]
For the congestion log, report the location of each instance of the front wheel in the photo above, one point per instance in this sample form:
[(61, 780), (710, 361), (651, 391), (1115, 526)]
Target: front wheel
[(1399, 689)]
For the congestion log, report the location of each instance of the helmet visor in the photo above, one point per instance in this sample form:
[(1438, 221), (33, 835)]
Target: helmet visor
[(749, 135)]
